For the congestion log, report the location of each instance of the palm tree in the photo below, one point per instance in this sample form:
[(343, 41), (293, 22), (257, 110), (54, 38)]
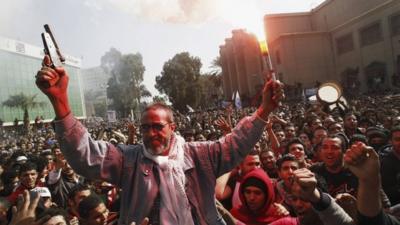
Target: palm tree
[(216, 66), (24, 102)]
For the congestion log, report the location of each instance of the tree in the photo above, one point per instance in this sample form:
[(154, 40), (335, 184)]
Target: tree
[(96, 102), (210, 90), (110, 60), (125, 88), (179, 81), (216, 66), (25, 103), (160, 99)]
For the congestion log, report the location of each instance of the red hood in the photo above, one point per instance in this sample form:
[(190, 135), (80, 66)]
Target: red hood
[(267, 213)]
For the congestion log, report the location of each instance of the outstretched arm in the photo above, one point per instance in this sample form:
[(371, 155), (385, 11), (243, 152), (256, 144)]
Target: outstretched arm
[(230, 150), (305, 187), (272, 138), (93, 159), (363, 162), (272, 95), (57, 93)]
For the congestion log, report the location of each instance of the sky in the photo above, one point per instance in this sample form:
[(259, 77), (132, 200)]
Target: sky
[(157, 29)]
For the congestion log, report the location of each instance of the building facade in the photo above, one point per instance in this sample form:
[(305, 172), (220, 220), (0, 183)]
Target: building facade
[(242, 66), (94, 82), (353, 42), (19, 63)]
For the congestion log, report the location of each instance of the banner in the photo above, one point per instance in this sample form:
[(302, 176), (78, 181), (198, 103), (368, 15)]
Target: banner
[(111, 116)]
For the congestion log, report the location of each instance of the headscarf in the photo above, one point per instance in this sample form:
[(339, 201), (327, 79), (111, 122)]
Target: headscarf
[(267, 213)]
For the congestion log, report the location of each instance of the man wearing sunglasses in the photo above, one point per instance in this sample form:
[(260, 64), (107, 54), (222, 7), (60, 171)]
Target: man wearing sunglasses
[(165, 179)]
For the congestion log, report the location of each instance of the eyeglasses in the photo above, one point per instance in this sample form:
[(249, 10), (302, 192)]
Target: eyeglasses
[(154, 126)]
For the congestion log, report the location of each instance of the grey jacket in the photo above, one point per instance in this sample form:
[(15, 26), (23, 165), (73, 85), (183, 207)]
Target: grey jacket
[(127, 167), (334, 214)]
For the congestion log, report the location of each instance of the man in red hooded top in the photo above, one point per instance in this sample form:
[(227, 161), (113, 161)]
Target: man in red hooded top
[(257, 195)]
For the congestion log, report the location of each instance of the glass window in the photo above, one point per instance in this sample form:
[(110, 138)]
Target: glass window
[(395, 24), (371, 34), (17, 72)]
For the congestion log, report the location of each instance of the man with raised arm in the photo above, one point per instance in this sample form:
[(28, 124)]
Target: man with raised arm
[(165, 179), (363, 161)]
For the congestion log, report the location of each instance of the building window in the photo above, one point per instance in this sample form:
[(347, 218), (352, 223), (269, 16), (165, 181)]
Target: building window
[(278, 57), (344, 44), (395, 24), (371, 34), (375, 74), (280, 76)]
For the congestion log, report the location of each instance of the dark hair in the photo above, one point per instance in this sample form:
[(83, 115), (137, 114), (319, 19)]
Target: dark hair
[(350, 113), (330, 125), (76, 189), (311, 119), (293, 141), (284, 158), (159, 105), (393, 130), (343, 139), (366, 121), (88, 204), (46, 153), (358, 138), (319, 128), (290, 124), (27, 167), (266, 150), (8, 176), (54, 211), (41, 163), (307, 134), (253, 152)]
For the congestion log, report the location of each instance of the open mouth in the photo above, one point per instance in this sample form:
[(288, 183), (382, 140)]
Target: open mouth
[(330, 157)]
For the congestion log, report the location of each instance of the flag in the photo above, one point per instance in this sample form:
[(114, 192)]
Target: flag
[(190, 108), (238, 102)]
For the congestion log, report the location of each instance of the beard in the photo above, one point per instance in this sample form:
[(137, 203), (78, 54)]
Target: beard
[(156, 146)]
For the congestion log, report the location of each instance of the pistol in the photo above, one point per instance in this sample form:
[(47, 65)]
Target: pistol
[(52, 50)]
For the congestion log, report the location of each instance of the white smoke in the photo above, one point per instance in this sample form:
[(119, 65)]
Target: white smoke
[(93, 4), (238, 13), (169, 11)]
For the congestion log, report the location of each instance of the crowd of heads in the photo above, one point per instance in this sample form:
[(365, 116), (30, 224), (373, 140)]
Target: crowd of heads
[(299, 135)]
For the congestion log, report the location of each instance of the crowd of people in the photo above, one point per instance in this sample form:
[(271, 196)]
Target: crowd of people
[(299, 163)]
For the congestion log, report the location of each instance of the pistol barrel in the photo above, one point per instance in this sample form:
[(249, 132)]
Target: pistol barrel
[(48, 30)]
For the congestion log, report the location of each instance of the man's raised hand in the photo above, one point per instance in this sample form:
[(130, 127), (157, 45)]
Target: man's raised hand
[(55, 76), (53, 82), (305, 185), (272, 95), (24, 212), (363, 161)]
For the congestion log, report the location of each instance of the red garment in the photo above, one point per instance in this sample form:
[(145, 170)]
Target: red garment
[(112, 218), (12, 198), (111, 197), (287, 221), (265, 215)]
